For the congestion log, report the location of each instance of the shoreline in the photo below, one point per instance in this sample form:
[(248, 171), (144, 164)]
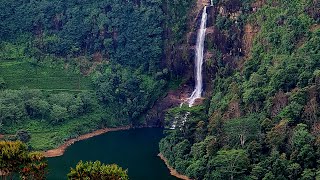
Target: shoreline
[(59, 151), (173, 172)]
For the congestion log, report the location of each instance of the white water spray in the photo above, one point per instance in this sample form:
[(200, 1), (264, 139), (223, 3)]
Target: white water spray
[(199, 59), (180, 121)]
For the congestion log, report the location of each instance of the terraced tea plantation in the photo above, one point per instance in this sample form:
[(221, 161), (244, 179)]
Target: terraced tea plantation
[(18, 74)]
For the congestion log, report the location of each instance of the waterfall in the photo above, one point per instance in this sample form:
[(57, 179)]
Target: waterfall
[(199, 59), (180, 120), (211, 3)]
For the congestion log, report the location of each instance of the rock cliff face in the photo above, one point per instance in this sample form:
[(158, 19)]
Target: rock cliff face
[(227, 45)]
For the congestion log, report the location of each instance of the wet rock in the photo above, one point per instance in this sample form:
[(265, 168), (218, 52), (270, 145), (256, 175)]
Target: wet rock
[(250, 32), (192, 40), (155, 117)]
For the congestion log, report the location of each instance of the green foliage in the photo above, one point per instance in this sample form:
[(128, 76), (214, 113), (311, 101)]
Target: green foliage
[(176, 116), (250, 129), (230, 164), (23, 136), (48, 76), (280, 167), (2, 83), (46, 45), (292, 112), (240, 131), (262, 120), (97, 170), (119, 31), (303, 151), (50, 119), (44, 135), (14, 158), (176, 16), (11, 52), (12, 155), (223, 23), (58, 114), (127, 92), (35, 168), (20, 105)]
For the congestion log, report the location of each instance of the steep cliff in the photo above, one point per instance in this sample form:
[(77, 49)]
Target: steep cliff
[(227, 45)]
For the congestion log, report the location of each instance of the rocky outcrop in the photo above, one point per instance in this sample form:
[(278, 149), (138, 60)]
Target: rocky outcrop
[(279, 101), (250, 33), (226, 48), (155, 117), (202, 3)]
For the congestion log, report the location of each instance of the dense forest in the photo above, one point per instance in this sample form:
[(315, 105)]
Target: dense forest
[(69, 67), (261, 120)]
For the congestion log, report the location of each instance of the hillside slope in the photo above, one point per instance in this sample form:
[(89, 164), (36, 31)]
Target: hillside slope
[(70, 67), (261, 120)]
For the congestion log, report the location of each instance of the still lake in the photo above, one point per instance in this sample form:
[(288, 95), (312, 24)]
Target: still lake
[(135, 150)]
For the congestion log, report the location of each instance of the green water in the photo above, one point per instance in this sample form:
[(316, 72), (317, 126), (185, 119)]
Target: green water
[(135, 150)]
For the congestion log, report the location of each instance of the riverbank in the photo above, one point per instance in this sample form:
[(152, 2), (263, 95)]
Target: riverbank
[(61, 149), (173, 172)]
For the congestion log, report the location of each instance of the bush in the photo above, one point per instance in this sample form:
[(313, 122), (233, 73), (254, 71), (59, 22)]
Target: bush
[(2, 83), (23, 136)]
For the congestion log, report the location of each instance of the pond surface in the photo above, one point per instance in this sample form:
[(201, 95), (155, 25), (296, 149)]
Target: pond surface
[(135, 150)]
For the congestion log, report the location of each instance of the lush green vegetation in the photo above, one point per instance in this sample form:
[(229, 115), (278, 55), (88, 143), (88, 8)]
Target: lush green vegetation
[(44, 136), (17, 74), (69, 67), (128, 93), (97, 170), (117, 31), (16, 159), (262, 121)]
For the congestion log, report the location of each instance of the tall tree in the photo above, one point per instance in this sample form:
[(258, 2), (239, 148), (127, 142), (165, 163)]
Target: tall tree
[(231, 163), (97, 170), (15, 158)]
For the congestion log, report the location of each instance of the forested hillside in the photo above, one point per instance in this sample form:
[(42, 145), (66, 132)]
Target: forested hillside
[(113, 30), (69, 67), (261, 119)]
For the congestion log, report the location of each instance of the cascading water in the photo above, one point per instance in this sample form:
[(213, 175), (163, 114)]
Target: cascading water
[(199, 59), (180, 121)]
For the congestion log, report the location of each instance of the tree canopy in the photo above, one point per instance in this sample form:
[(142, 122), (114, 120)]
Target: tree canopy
[(97, 170), (16, 159)]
